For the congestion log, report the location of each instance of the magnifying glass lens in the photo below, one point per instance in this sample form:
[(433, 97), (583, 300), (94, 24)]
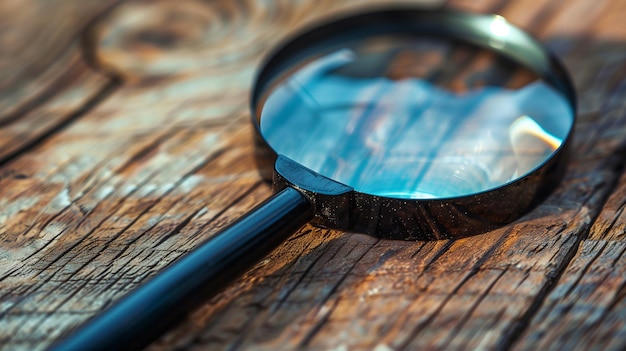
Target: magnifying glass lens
[(406, 116)]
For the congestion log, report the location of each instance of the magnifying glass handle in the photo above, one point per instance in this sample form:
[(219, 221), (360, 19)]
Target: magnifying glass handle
[(163, 301)]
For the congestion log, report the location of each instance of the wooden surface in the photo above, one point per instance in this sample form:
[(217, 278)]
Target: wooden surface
[(125, 142)]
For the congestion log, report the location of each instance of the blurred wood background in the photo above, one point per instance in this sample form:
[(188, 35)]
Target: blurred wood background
[(125, 142)]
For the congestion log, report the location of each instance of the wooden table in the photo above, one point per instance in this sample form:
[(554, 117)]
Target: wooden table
[(125, 142)]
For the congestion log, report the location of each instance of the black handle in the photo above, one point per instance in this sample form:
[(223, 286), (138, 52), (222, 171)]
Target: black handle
[(163, 301)]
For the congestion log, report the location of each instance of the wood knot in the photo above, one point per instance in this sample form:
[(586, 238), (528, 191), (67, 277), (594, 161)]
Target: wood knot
[(143, 40)]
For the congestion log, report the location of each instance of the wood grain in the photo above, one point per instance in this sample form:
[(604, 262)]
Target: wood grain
[(45, 80), (125, 143)]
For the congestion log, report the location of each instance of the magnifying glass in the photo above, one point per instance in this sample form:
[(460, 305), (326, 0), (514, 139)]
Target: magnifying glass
[(402, 123)]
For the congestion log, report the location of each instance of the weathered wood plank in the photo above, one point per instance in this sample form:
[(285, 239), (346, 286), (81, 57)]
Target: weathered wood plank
[(166, 159)]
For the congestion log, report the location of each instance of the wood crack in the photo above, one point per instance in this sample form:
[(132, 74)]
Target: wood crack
[(472, 272), (102, 95), (284, 296), (471, 310), (328, 311), (512, 336)]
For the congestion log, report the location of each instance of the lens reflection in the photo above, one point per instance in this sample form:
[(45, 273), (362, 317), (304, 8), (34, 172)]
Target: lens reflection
[(369, 115)]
